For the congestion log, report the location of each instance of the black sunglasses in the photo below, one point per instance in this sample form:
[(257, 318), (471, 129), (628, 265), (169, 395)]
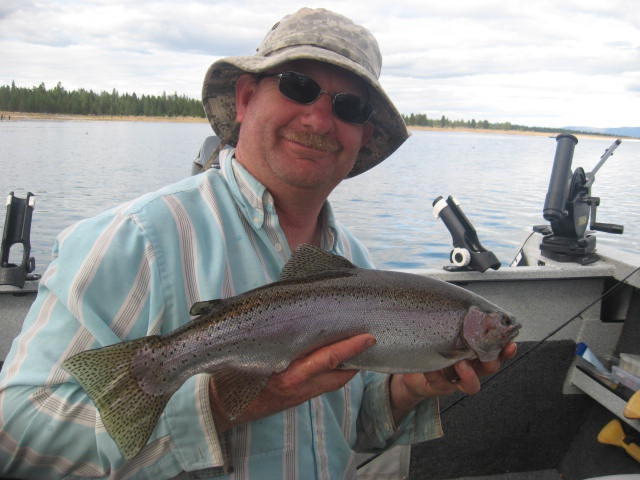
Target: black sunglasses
[(303, 89)]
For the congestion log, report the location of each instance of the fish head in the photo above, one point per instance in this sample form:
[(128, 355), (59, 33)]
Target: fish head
[(487, 333)]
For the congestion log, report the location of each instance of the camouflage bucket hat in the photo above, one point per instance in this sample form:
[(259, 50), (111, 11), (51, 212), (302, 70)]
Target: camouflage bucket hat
[(322, 36)]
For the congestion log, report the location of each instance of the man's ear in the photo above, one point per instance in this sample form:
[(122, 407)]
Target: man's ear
[(246, 86)]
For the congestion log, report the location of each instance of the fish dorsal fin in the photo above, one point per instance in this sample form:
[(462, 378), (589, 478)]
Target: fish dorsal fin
[(206, 306), (310, 261)]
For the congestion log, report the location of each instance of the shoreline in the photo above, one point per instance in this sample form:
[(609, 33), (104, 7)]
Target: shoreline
[(483, 130), (549, 133), (11, 116)]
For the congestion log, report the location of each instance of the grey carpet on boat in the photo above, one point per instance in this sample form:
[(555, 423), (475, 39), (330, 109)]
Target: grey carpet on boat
[(521, 421), (587, 458)]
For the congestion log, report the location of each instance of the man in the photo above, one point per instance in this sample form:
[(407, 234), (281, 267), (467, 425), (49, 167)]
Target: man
[(295, 119)]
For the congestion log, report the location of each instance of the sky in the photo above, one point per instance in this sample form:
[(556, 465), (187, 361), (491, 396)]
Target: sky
[(545, 63)]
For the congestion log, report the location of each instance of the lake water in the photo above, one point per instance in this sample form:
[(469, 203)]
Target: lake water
[(77, 169)]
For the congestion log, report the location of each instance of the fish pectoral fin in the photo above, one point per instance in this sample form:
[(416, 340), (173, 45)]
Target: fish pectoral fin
[(456, 354), (236, 389)]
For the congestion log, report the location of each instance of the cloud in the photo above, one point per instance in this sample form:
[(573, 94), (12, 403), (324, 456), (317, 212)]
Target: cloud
[(545, 63)]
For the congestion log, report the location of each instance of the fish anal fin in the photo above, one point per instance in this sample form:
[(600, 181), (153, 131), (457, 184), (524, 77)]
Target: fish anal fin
[(236, 389), (311, 261)]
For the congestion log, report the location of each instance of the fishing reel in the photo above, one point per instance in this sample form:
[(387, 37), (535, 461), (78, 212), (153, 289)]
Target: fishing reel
[(568, 206), (468, 253)]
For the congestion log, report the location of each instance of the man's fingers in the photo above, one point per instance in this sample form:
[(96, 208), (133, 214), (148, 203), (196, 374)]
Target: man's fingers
[(318, 372), (509, 352), (469, 381), (491, 367), (332, 356)]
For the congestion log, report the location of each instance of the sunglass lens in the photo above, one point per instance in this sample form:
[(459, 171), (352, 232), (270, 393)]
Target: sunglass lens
[(299, 88), (351, 108)]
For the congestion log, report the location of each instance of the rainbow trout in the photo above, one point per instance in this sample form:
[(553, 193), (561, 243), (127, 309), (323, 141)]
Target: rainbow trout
[(420, 324)]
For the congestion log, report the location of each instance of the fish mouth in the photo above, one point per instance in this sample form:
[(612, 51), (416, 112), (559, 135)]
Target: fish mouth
[(509, 326), (513, 327)]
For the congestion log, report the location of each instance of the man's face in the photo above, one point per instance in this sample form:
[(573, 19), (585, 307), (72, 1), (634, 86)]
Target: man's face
[(285, 143)]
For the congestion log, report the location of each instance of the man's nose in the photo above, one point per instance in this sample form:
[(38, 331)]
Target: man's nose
[(319, 114)]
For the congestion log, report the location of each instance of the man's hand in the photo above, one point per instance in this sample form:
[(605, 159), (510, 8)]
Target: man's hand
[(409, 389), (319, 373), (305, 378)]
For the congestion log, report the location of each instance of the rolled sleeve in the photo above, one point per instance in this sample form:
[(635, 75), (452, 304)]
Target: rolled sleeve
[(191, 427), (377, 429)]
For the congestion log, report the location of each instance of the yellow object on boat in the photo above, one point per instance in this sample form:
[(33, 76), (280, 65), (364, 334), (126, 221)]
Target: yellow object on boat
[(613, 434), (632, 409)]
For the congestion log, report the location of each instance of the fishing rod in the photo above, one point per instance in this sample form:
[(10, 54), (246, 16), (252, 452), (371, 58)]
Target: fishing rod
[(534, 347)]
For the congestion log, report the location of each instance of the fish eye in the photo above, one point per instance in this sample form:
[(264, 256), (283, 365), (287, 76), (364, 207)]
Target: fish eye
[(507, 321)]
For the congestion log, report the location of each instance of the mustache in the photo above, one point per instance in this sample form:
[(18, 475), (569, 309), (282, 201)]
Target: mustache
[(324, 143)]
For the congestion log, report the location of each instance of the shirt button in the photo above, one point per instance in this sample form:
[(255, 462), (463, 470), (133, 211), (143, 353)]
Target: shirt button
[(278, 246)]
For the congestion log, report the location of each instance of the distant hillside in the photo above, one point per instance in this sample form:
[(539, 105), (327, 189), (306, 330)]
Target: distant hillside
[(622, 131), (421, 120)]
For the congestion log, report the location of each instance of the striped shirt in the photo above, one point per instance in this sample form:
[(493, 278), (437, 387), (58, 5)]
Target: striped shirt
[(135, 270)]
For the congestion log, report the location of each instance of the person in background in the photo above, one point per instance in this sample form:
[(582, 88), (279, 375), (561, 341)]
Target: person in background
[(295, 119)]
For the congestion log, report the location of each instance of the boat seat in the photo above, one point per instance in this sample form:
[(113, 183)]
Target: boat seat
[(208, 148)]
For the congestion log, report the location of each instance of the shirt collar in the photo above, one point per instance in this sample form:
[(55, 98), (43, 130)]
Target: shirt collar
[(256, 203)]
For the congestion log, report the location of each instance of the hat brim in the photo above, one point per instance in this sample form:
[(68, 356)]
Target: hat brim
[(218, 96)]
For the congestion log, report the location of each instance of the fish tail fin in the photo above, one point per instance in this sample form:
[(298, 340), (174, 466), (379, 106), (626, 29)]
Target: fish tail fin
[(128, 412)]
